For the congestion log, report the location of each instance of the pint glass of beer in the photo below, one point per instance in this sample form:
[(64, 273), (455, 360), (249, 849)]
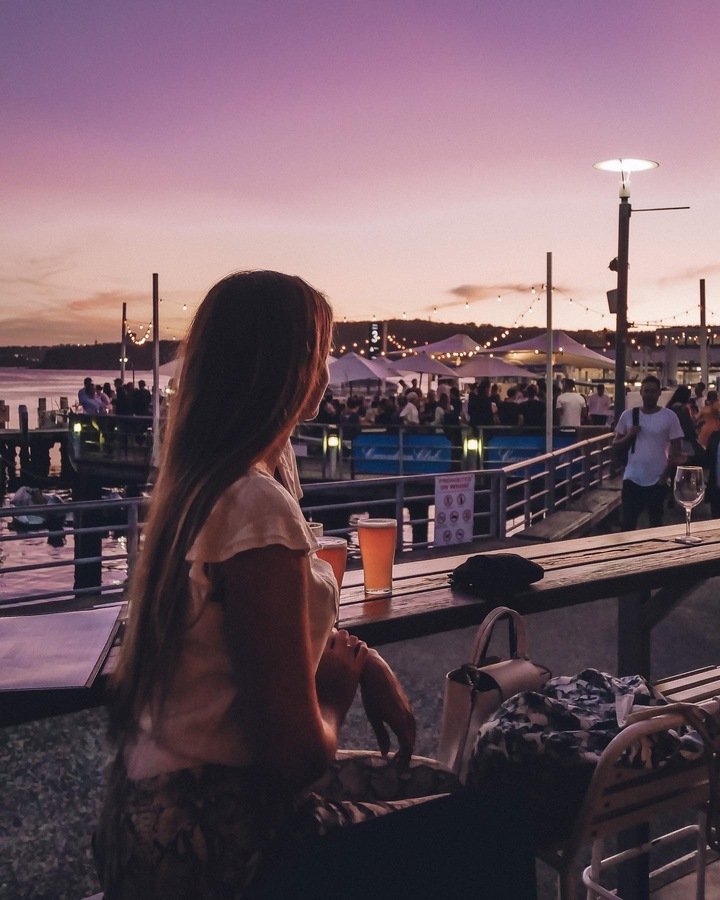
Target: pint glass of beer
[(377, 547), (334, 551)]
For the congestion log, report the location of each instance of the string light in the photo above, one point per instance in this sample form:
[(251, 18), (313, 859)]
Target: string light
[(139, 341)]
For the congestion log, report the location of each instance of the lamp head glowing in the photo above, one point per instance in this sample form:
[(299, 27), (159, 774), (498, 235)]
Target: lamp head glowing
[(625, 165)]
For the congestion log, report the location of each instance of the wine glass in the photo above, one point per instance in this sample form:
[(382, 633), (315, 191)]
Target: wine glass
[(689, 491)]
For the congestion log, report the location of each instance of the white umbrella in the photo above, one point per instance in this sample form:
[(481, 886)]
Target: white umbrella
[(424, 364), (353, 367), (171, 368), (491, 367)]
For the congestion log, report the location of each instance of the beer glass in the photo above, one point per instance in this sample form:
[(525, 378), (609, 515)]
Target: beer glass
[(316, 528), (377, 538), (334, 551)]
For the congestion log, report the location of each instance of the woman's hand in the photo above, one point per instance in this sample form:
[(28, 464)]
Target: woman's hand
[(385, 702), (339, 670)]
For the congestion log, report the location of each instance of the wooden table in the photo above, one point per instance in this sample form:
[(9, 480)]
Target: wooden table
[(630, 565), (647, 570)]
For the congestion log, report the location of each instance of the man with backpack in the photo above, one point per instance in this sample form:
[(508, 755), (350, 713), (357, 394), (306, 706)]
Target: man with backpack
[(653, 441)]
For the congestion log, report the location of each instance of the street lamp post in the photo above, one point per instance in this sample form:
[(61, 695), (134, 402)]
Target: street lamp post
[(624, 166)]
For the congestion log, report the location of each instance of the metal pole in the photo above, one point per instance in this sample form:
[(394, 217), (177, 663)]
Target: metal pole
[(621, 327), (156, 350), (704, 367), (156, 369), (549, 396), (123, 343)]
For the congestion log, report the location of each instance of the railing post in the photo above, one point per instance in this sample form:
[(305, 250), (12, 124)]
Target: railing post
[(399, 505), (550, 483), (586, 467), (401, 451), (133, 538), (527, 497), (501, 505)]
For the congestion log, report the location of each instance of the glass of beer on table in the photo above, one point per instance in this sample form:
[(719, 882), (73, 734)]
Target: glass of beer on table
[(334, 551), (377, 538)]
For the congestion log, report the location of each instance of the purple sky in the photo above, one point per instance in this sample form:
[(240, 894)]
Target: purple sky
[(387, 152)]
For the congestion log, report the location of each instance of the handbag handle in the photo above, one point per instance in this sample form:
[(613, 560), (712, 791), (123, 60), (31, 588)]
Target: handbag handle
[(517, 634)]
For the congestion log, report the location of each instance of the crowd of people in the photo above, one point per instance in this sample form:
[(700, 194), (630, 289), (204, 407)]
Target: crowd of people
[(120, 399), (483, 405)]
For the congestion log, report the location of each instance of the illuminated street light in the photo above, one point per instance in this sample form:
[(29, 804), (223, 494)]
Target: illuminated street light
[(624, 166)]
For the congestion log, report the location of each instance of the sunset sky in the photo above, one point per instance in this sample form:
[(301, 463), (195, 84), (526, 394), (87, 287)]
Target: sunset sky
[(401, 156)]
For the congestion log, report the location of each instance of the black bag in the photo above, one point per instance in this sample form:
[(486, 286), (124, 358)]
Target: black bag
[(621, 452), (496, 574)]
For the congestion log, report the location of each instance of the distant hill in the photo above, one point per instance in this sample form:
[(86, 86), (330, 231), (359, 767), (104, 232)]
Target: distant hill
[(348, 335)]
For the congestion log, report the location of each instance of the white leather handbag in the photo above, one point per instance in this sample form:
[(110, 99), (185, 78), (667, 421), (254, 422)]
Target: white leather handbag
[(475, 690)]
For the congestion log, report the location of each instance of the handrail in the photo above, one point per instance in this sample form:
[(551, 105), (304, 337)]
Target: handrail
[(505, 499)]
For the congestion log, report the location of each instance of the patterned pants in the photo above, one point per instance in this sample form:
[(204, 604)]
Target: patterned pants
[(204, 833)]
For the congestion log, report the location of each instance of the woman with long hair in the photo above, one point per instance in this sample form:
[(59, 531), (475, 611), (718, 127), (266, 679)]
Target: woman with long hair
[(233, 682)]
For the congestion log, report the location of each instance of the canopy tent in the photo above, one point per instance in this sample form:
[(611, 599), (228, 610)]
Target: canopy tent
[(566, 351), (353, 367), (491, 367), (458, 343)]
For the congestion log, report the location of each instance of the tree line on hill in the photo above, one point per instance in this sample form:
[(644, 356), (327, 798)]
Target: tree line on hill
[(411, 332)]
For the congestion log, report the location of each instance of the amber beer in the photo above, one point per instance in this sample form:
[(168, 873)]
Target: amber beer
[(377, 539), (334, 551)]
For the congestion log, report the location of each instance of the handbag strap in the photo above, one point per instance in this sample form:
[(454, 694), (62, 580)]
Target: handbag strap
[(517, 634), (697, 718)]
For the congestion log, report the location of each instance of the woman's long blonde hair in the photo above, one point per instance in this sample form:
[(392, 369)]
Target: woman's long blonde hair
[(255, 351)]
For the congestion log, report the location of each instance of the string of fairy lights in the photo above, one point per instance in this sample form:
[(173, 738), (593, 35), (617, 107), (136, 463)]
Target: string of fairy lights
[(665, 329)]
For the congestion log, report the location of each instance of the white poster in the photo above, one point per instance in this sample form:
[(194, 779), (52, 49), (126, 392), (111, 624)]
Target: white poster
[(454, 508)]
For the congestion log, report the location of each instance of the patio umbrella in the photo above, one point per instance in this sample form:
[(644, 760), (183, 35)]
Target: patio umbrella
[(424, 365), (491, 367), (353, 367)]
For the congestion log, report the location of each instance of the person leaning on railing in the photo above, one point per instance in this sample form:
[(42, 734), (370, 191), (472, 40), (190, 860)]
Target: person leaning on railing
[(233, 682)]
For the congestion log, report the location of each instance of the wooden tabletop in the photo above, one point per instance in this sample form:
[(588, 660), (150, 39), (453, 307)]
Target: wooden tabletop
[(576, 571)]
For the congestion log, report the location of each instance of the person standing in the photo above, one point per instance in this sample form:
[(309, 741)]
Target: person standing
[(532, 409), (710, 461), (571, 407), (658, 441), (598, 405), (89, 401)]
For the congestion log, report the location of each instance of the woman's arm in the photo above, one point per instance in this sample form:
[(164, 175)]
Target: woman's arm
[(291, 729)]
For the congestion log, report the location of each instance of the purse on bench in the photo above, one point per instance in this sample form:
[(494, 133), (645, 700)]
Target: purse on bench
[(475, 690)]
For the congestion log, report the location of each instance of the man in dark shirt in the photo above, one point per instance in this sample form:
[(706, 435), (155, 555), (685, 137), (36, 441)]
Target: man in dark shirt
[(509, 409), (532, 410)]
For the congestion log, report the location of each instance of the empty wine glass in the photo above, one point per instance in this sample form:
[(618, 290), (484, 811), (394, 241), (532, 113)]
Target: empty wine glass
[(689, 491)]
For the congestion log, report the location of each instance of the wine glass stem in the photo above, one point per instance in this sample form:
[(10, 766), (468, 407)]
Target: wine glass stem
[(688, 513)]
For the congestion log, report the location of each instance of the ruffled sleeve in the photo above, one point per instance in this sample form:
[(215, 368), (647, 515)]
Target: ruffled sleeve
[(254, 512)]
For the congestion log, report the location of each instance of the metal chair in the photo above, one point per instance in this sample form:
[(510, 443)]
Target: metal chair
[(620, 798)]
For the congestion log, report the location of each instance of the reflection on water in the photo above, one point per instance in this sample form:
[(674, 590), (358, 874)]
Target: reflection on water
[(32, 551)]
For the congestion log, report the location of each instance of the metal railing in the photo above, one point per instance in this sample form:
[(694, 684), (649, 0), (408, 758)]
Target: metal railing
[(506, 499)]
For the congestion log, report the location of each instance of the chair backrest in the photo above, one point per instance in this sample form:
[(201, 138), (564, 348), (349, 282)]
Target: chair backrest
[(619, 796)]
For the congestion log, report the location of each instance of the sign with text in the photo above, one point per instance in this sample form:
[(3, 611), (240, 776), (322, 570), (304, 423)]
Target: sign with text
[(454, 508), (379, 454)]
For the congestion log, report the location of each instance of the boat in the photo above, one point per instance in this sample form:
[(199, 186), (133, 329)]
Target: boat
[(31, 498)]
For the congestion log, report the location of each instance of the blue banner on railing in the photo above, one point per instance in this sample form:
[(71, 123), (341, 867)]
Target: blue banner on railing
[(379, 454), (504, 450)]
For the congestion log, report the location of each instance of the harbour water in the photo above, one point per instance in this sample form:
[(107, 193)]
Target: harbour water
[(26, 386)]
